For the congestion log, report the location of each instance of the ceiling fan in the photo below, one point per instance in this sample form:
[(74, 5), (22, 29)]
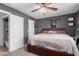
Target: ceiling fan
[(44, 7)]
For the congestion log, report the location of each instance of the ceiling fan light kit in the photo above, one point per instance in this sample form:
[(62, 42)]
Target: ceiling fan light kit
[(44, 7), (43, 10)]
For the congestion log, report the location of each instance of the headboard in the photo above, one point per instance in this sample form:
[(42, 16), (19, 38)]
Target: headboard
[(62, 30)]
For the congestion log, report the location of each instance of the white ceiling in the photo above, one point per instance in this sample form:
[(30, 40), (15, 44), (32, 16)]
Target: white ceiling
[(2, 14), (26, 8)]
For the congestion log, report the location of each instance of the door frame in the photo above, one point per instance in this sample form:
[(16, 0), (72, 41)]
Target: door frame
[(3, 26), (2, 18)]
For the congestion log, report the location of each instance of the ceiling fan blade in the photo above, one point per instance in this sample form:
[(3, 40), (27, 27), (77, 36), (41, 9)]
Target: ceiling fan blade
[(48, 4), (37, 3), (52, 8), (35, 10)]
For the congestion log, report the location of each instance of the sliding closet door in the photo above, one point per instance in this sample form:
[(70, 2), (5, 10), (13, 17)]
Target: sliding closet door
[(16, 35), (30, 28)]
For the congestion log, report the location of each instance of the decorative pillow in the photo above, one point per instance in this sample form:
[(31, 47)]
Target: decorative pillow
[(52, 32), (61, 32), (45, 31)]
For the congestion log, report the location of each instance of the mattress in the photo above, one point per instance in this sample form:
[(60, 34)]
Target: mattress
[(60, 42)]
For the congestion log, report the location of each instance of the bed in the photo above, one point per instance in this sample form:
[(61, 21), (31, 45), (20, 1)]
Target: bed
[(52, 42)]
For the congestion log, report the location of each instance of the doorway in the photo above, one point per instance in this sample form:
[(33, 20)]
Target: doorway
[(5, 32), (11, 31)]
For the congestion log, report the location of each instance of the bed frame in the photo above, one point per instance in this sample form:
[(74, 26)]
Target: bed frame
[(48, 52), (60, 30), (41, 51)]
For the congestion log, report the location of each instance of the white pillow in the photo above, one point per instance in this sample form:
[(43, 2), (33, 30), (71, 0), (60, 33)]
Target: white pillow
[(52, 32)]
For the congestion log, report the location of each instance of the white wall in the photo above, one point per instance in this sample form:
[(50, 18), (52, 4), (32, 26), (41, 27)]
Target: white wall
[(16, 32), (1, 32), (31, 28)]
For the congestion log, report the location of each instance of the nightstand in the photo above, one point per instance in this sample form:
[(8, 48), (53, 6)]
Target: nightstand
[(77, 40)]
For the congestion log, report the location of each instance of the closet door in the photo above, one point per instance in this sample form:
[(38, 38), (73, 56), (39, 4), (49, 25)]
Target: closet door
[(16, 34)]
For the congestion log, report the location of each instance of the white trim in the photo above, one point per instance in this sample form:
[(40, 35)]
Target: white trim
[(3, 28), (4, 16), (5, 12)]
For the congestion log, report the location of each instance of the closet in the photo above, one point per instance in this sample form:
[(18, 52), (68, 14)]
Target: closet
[(16, 32), (12, 29), (6, 30)]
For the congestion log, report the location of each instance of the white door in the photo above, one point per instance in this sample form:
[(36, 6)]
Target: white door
[(16, 33), (30, 28)]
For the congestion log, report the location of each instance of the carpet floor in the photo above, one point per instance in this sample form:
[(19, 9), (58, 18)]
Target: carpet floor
[(18, 52), (3, 51)]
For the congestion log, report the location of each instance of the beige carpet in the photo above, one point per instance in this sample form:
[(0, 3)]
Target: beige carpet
[(19, 52), (3, 51)]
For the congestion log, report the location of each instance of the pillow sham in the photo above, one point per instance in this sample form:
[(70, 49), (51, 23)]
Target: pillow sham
[(61, 32), (45, 31), (52, 32)]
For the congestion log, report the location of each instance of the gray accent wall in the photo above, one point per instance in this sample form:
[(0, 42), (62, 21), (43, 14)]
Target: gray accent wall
[(77, 20), (43, 24), (15, 12), (62, 22)]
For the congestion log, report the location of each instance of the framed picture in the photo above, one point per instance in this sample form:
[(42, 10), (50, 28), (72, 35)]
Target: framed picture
[(70, 24), (71, 19)]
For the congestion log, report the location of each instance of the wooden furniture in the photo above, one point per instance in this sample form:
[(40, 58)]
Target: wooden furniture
[(41, 51), (62, 30), (77, 39)]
